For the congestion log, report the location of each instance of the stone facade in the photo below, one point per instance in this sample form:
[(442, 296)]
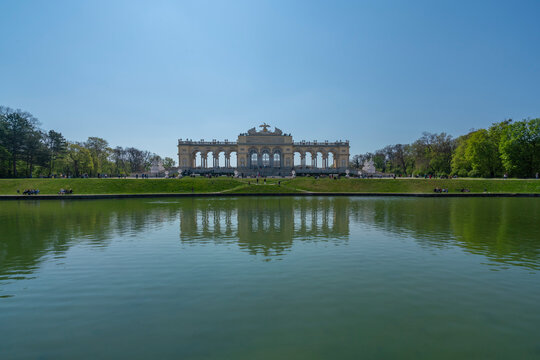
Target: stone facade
[(263, 152)]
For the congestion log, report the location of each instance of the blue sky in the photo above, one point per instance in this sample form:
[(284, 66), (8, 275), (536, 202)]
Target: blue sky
[(145, 73)]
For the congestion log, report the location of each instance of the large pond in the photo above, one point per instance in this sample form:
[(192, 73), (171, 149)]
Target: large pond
[(270, 278)]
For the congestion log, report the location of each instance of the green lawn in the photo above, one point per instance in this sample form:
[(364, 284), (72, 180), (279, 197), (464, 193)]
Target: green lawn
[(119, 186), (262, 188), (241, 186), (414, 185)]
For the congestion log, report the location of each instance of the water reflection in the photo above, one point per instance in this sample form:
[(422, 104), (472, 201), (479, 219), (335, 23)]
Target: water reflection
[(504, 230), (265, 226), (32, 230)]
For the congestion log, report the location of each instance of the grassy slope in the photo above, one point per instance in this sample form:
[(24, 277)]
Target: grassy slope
[(261, 188), (414, 185), (119, 186), (229, 185)]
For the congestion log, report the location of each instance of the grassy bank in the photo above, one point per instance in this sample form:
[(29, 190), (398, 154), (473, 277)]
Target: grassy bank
[(242, 186), (119, 186), (415, 185)]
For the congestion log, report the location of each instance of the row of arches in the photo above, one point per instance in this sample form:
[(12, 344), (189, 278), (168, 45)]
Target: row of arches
[(315, 159), (264, 159), (214, 159)]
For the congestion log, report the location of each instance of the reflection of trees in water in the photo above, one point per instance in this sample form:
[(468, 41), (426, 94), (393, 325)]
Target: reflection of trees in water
[(424, 219), (265, 225), (32, 229), (503, 229)]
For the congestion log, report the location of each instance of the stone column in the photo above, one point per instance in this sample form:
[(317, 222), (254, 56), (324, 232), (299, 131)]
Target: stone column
[(303, 160)]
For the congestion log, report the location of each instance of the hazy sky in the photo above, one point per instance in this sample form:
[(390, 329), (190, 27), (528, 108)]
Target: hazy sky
[(145, 73)]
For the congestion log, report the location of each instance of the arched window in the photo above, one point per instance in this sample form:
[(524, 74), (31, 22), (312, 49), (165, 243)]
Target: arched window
[(266, 159), (254, 159), (331, 163), (277, 159)]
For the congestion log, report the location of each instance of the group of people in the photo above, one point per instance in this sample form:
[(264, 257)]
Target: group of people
[(65, 191), (439, 190), (463, 190), (29, 192)]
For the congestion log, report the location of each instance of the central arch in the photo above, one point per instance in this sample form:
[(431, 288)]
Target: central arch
[(265, 158), (253, 158)]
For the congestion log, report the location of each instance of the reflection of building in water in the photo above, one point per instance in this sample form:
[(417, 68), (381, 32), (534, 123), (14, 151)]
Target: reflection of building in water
[(265, 225), (208, 220)]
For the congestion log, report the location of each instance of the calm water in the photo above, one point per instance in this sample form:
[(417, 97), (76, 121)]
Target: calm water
[(270, 278)]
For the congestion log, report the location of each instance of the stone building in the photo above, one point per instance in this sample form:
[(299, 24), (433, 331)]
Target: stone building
[(263, 152)]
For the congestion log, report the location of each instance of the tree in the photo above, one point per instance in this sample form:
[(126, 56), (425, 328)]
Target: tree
[(168, 163), (34, 151), (56, 147), (139, 160), (4, 161), (358, 160), (79, 159), (397, 158), (17, 126), (520, 147), (379, 160), (99, 150), (483, 154), (119, 157), (461, 166), (433, 153)]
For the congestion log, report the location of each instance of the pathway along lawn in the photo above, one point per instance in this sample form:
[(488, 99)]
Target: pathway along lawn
[(413, 185)]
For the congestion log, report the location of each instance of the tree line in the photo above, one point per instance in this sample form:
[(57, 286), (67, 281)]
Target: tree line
[(26, 150), (507, 147)]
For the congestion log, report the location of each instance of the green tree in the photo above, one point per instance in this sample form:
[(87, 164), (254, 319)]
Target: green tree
[(34, 151), (56, 147), (461, 166), (79, 159), (17, 126), (482, 153), (99, 150), (168, 163), (121, 163), (433, 154), (379, 160), (520, 148)]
